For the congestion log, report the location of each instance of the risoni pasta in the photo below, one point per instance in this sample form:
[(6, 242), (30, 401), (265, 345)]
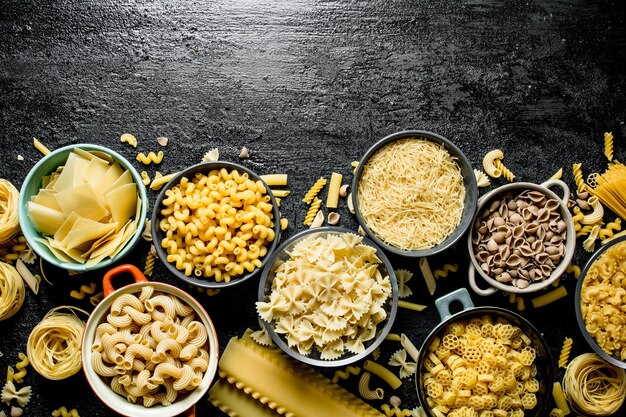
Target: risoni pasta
[(217, 225), (594, 386), (53, 346), (489, 163), (9, 222), (12, 291), (411, 194), (152, 346)]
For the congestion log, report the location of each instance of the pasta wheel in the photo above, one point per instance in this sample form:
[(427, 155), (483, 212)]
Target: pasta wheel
[(529, 401)]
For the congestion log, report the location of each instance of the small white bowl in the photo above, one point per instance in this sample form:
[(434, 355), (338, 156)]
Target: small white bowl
[(570, 243)]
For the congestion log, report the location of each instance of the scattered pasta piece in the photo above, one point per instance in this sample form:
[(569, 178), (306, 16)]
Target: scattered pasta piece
[(616, 235), (394, 337), (577, 218), (261, 336), (361, 231), (608, 145), (333, 218), (332, 199), (482, 180), (428, 275), (211, 156), (63, 412), (19, 375), (9, 221), (406, 368), (403, 276), (366, 392), (280, 193), (585, 230), (411, 306), (354, 165), (84, 290), (343, 191), (489, 163), (395, 411), (162, 140), (557, 412), (151, 158), (350, 203), (590, 243), (16, 411), (96, 298), (245, 153), (33, 281), (275, 179), (284, 223), (345, 374), (40, 147), (12, 291), (383, 373), (445, 270), (160, 180), (130, 139), (20, 157), (314, 190), (520, 304), (409, 347), (608, 231), (318, 221), (10, 392), (579, 178), (310, 215), (573, 269), (147, 231), (559, 398), (549, 297), (145, 178), (395, 401), (596, 215), (148, 269), (557, 175), (375, 353), (565, 351), (506, 173)]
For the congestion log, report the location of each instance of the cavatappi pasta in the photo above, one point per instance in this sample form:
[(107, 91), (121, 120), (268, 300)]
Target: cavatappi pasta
[(152, 346), (217, 225), (411, 194), (329, 295), (480, 364), (602, 298)]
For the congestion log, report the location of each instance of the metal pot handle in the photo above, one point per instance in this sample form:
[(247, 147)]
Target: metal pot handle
[(107, 285), (471, 275), (561, 185), (443, 303)]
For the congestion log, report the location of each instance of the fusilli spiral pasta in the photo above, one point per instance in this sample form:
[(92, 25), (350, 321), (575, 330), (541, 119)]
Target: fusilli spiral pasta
[(314, 190)]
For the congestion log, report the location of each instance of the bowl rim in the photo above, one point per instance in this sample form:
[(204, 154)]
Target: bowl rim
[(162, 255), (388, 321), (24, 219), (480, 310), (577, 301), (471, 192), (96, 317), (570, 245)]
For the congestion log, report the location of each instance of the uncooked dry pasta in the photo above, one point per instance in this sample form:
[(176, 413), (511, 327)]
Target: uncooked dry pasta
[(399, 358), (275, 179), (611, 188), (64, 412), (130, 139), (9, 222), (411, 194), (150, 158), (608, 145), (596, 215), (53, 346), (332, 199), (152, 346), (314, 190), (366, 392), (329, 295), (489, 163), (565, 351), (87, 210), (10, 392), (594, 386), (12, 291), (427, 273), (482, 180), (403, 276), (549, 297), (559, 398), (345, 374), (383, 373)]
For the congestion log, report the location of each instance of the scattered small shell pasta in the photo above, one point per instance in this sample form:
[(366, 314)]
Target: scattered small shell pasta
[(217, 226)]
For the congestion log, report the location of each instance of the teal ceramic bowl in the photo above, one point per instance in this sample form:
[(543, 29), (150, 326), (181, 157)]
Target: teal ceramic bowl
[(32, 185)]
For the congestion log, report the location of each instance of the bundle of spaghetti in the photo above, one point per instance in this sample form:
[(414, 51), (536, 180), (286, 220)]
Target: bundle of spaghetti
[(594, 386), (9, 224), (411, 194), (611, 188), (12, 291), (53, 346)]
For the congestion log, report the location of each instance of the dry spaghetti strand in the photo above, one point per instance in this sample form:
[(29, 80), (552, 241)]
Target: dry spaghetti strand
[(611, 188), (411, 194)]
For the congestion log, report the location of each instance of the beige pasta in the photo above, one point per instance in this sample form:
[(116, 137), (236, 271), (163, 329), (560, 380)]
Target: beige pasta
[(366, 392), (314, 190), (482, 180), (12, 291), (549, 297), (596, 215), (332, 199), (489, 163), (9, 223), (40, 147), (130, 139), (275, 179)]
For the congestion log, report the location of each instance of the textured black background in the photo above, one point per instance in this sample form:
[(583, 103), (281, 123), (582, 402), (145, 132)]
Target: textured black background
[(307, 86)]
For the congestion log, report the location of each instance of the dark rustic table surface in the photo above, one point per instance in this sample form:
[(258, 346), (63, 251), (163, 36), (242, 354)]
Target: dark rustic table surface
[(307, 86)]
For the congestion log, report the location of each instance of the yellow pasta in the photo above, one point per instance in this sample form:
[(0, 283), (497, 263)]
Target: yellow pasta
[(394, 337), (130, 139), (411, 306), (506, 173), (345, 374), (565, 351), (577, 218), (332, 199), (9, 222), (64, 412), (40, 147), (12, 291), (427, 273), (312, 212), (608, 145), (573, 269), (549, 297), (84, 290), (579, 179), (274, 179), (314, 190), (559, 398), (280, 193), (489, 163), (150, 261), (354, 165), (481, 179), (590, 242), (383, 373), (608, 231), (19, 375), (596, 215), (145, 178), (160, 180), (284, 223), (366, 392), (151, 158), (211, 156), (395, 411), (409, 347), (585, 230), (445, 270), (557, 175), (10, 392)]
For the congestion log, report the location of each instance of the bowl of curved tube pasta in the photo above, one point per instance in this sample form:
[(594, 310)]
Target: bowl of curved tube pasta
[(149, 348), (414, 193), (600, 300), (82, 207), (215, 224), (328, 297), (522, 238), (483, 358)]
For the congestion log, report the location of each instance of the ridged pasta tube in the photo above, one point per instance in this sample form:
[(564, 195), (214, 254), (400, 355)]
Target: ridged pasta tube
[(596, 215), (314, 190), (366, 392), (310, 215), (489, 163)]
